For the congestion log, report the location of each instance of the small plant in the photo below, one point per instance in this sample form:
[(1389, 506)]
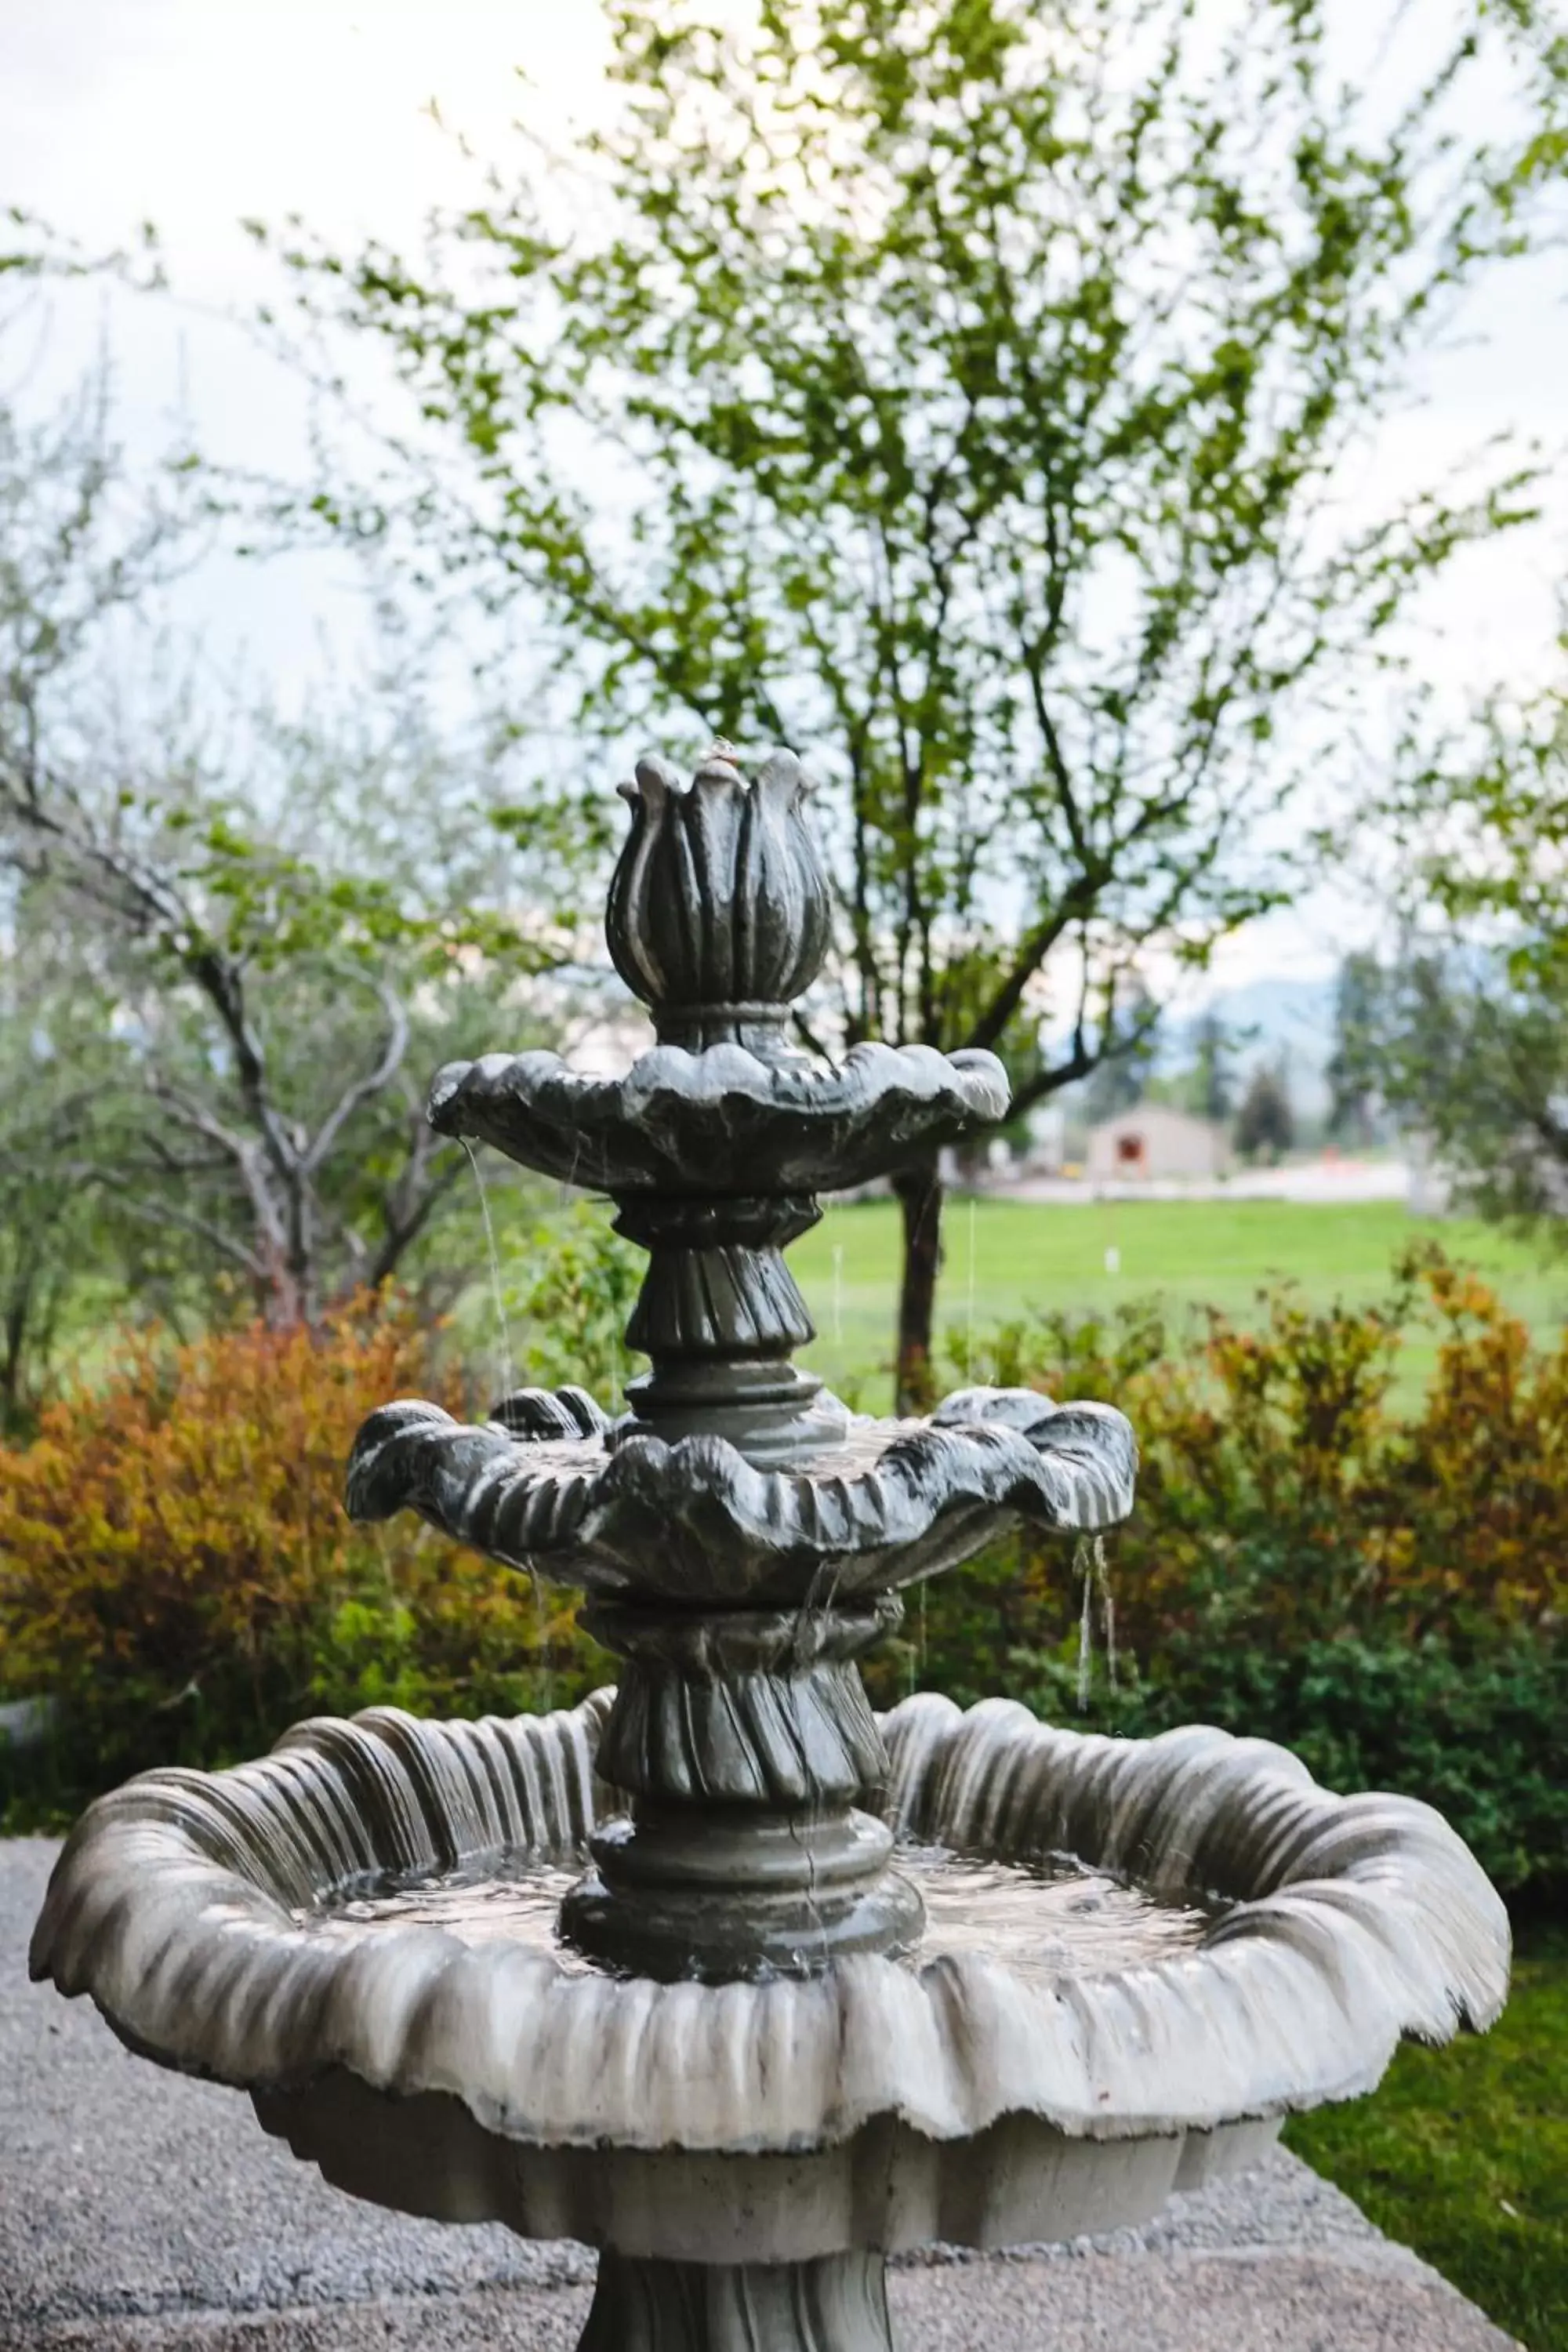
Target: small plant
[(576, 1287)]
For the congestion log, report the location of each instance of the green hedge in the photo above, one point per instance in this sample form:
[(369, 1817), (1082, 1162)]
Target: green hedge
[(1382, 1587), (1484, 1740)]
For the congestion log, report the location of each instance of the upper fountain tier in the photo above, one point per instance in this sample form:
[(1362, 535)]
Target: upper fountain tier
[(718, 917)]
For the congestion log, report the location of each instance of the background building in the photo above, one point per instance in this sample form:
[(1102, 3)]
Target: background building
[(1153, 1140)]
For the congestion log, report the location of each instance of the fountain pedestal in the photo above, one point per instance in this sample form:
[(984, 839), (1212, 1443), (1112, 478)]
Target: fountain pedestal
[(746, 1743), (837, 2304)]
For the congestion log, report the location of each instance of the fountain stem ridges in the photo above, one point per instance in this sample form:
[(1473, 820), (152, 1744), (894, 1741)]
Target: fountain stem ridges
[(838, 2304)]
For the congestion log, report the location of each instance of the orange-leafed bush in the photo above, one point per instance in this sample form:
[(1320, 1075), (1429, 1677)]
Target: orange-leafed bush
[(177, 1571), (1287, 1489)]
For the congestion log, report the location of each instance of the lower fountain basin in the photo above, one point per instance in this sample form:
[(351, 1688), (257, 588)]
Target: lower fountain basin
[(885, 2187), (358, 1930)]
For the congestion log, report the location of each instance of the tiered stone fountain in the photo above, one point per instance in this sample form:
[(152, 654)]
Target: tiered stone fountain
[(716, 1971)]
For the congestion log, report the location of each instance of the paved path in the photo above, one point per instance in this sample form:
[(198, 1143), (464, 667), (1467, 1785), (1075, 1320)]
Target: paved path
[(1316, 1183), (142, 2213)]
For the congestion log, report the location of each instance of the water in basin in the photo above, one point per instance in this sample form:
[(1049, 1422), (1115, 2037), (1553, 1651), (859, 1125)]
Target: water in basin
[(1046, 1919), (494, 1904), (1043, 1921)]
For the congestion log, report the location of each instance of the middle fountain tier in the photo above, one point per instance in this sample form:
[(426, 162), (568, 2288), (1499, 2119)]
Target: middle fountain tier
[(741, 1536)]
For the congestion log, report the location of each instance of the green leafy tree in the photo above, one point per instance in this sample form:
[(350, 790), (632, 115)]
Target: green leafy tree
[(58, 1059), (574, 1286), (233, 945), (1351, 1070), (73, 563), (956, 389), (1475, 1062), (1266, 1124), (1212, 1085), (1122, 1077), (1470, 1022)]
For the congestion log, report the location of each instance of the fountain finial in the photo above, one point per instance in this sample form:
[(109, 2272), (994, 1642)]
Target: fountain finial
[(719, 911)]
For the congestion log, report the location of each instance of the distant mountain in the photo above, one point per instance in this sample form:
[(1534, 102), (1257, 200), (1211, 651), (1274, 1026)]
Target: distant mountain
[(1272, 1015), (1296, 1013)]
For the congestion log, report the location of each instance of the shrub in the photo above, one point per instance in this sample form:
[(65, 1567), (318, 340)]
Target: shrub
[(176, 1568), (1384, 1590), (1485, 1740), (571, 1302), (1380, 1589)]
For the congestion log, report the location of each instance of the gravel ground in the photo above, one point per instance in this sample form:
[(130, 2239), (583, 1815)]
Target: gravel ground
[(141, 2211)]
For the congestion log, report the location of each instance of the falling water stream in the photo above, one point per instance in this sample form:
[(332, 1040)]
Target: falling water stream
[(541, 1642), (506, 1364), (1089, 1565)]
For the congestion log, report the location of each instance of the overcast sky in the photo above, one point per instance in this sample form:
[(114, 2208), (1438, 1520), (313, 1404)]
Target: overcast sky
[(196, 113)]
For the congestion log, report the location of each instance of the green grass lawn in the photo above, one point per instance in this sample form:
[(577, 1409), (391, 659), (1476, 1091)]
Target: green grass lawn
[(1463, 2153), (1004, 1257)]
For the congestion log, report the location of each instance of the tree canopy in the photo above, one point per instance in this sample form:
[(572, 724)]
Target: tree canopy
[(1265, 1123), (959, 391), (232, 941), (1351, 1071), (1466, 1035)]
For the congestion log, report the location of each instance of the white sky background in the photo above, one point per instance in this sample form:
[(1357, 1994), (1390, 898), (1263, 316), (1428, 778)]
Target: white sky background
[(195, 113)]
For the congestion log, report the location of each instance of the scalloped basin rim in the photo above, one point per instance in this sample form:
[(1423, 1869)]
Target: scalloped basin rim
[(704, 1124), (1359, 1919), (696, 1520), (868, 1071)]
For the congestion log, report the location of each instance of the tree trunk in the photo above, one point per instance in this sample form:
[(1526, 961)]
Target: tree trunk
[(23, 1354), (919, 1189), (15, 1350), (279, 1297)]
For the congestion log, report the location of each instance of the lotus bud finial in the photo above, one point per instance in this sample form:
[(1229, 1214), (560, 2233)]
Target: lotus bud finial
[(719, 908)]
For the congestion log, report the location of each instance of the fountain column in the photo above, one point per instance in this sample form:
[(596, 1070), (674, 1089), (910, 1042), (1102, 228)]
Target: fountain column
[(741, 1737), (837, 2304), (745, 1741)]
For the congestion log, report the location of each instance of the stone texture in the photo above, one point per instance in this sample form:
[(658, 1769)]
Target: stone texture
[(140, 2211), (713, 1123), (1348, 1921), (719, 912), (1279, 2304), (715, 1144), (837, 2305), (626, 1515)]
